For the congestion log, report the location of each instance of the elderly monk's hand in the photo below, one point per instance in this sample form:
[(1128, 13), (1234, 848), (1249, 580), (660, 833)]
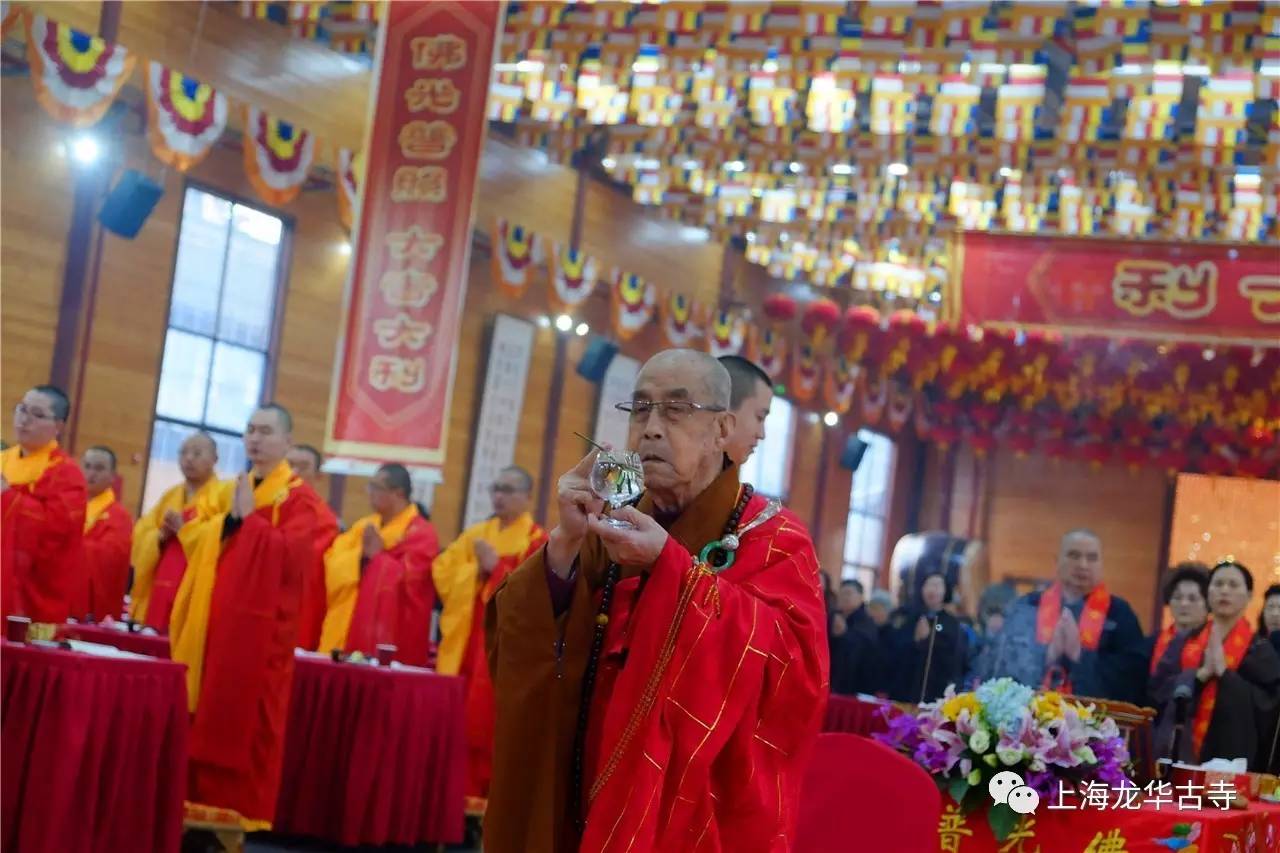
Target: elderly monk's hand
[(577, 503), (170, 524), (242, 502), (636, 548), (486, 556), (371, 545)]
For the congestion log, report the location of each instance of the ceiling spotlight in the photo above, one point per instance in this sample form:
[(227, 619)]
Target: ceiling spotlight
[(1209, 354), (564, 322), (691, 164), (1005, 171), (85, 149), (898, 169), (608, 162), (831, 419), (842, 169), (757, 192), (935, 296), (751, 236), (344, 248), (796, 168), (582, 330), (735, 166), (544, 322)]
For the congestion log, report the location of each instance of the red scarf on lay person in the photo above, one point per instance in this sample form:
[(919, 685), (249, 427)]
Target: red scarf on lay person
[(1092, 618), (1234, 646)]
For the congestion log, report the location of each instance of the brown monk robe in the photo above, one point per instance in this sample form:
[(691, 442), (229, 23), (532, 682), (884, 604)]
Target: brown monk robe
[(710, 681)]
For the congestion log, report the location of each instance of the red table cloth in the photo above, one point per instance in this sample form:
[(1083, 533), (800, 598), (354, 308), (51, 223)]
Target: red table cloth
[(855, 716), (373, 755), (93, 751), (151, 645)]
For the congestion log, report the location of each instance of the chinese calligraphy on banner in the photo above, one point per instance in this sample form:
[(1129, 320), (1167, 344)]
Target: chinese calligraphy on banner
[(394, 372), (1128, 286), (495, 434)]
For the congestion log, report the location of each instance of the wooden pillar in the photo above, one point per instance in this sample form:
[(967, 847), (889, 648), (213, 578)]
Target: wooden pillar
[(79, 276), (555, 394)]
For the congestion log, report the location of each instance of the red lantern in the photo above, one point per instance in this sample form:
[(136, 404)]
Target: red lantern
[(1173, 460), (779, 307), (1095, 454), (1057, 448), (1022, 443), (1259, 437), (1134, 455), (982, 443)]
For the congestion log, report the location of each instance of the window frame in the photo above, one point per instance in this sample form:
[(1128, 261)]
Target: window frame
[(857, 570), (271, 354)]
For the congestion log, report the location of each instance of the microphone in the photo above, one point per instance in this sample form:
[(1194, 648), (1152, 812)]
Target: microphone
[(1181, 701), (934, 628)]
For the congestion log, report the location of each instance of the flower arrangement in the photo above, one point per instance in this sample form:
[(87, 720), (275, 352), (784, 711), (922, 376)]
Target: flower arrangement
[(964, 739)]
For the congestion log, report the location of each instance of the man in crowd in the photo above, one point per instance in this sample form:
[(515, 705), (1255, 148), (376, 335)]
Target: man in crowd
[(750, 397), (700, 659), (880, 608), (42, 498), (235, 624), (160, 538), (461, 570), (108, 535), (1074, 636), (853, 640), (305, 461), (378, 575)]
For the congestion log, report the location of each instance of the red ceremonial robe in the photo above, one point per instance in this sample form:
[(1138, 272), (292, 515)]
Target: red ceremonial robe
[(108, 539), (237, 733), (314, 599), (396, 597), (708, 699), (40, 532), (475, 667)]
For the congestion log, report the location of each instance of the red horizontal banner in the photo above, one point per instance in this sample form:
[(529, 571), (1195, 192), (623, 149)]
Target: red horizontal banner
[(394, 378), (1129, 287)]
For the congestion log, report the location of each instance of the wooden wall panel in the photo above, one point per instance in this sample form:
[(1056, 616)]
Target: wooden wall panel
[(35, 208)]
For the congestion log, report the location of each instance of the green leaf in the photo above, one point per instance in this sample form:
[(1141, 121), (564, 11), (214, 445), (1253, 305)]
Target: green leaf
[(974, 800), (1002, 820), (958, 788)]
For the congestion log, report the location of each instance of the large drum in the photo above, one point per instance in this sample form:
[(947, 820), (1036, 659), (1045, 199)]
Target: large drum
[(963, 562)]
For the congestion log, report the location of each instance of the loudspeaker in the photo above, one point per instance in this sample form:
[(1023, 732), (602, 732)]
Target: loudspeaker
[(851, 456), (129, 204), (595, 361)]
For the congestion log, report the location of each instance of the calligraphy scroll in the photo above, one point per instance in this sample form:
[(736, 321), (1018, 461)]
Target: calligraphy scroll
[(394, 374), (1122, 287)]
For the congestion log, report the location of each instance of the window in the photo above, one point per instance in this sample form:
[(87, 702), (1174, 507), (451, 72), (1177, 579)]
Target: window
[(221, 318), (769, 468), (864, 535)]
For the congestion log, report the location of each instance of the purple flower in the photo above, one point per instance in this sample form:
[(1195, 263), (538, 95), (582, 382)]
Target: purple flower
[(1043, 782)]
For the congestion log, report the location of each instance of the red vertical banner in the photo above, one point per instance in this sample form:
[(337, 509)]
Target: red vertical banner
[(394, 374)]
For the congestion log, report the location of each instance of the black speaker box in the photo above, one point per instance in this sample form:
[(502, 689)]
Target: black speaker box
[(595, 361), (854, 449), (129, 204)]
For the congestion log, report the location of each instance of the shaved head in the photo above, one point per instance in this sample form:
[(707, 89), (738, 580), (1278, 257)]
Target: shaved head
[(708, 380)]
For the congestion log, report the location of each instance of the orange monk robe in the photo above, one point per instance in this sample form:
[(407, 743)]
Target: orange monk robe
[(234, 625), (387, 599), (475, 666), (41, 576), (708, 697), (108, 535), (314, 599), (456, 574), (159, 566)]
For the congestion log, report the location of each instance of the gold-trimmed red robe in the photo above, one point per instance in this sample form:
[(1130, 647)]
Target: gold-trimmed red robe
[(314, 595), (235, 625), (709, 694), (108, 535), (41, 526)]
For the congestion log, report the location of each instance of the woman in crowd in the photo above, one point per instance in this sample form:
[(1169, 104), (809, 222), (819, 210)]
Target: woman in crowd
[(926, 645), (1230, 677), (1187, 596), (1269, 619), (991, 606)]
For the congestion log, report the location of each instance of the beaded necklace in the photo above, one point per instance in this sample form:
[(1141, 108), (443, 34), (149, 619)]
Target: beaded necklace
[(611, 575)]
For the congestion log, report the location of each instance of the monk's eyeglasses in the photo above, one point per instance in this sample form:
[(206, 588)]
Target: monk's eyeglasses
[(671, 411)]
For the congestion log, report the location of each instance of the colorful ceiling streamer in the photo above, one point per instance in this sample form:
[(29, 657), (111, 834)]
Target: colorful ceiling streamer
[(186, 117), (76, 76), (277, 156)]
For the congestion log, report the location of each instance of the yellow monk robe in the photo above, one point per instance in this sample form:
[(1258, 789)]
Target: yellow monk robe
[(234, 625), (40, 534), (158, 568), (456, 576), (388, 599)]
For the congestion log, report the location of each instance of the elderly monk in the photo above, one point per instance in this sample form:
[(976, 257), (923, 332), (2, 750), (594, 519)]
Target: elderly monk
[(108, 535), (305, 461), (235, 623), (750, 398), (1076, 636), (42, 496), (162, 538), (378, 575), (461, 570), (659, 688)]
